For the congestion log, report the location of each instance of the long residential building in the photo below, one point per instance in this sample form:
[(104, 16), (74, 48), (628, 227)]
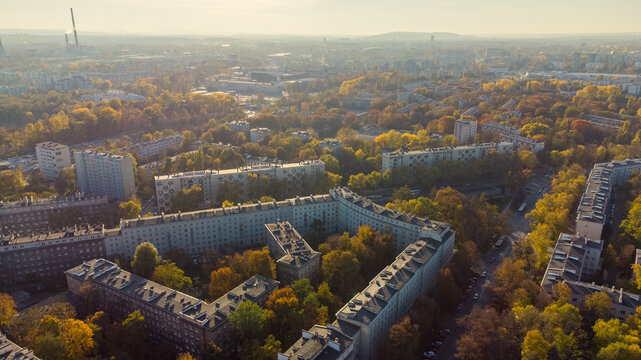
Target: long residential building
[(429, 157), (153, 148), (496, 128), (574, 262), (594, 207), (523, 142), (238, 226), (10, 351), (369, 315), (31, 215), (46, 256), (52, 158), (102, 173), (173, 319), (209, 180)]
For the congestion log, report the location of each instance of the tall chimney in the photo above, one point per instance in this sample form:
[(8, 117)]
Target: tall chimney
[(66, 40), (1, 48), (73, 21)]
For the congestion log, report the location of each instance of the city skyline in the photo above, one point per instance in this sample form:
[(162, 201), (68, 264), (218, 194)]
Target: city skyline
[(325, 17)]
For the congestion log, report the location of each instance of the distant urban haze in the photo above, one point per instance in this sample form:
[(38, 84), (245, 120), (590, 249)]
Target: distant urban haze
[(310, 17)]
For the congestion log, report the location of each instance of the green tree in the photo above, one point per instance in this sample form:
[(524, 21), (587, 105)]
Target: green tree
[(187, 199), (247, 321), (172, 276), (146, 259), (130, 209)]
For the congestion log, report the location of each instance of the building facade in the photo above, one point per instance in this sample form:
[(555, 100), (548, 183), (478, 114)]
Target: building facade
[(52, 157), (209, 180), (496, 128), (31, 215), (594, 207), (429, 157), (523, 142), (258, 134), (295, 259), (465, 131), (181, 322), (101, 173), (152, 149), (239, 125), (46, 256)]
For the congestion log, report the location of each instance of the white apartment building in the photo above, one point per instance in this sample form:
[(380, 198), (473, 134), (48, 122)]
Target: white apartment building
[(258, 134), (465, 131), (239, 125), (150, 149), (593, 210), (101, 173), (210, 180), (52, 157), (429, 157), (496, 128), (523, 142), (244, 225)]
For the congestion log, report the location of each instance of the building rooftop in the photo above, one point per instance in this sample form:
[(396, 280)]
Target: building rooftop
[(597, 194), (566, 263), (366, 305), (207, 316), (29, 203), (50, 145), (100, 153), (496, 125), (320, 343), (239, 209), (617, 296), (11, 351), (519, 138), (297, 251), (403, 152), (247, 169), (74, 232)]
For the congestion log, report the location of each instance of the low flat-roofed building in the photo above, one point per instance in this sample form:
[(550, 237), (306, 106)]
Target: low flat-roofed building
[(258, 134), (11, 351), (332, 144), (174, 319), (45, 256), (295, 259), (29, 215)]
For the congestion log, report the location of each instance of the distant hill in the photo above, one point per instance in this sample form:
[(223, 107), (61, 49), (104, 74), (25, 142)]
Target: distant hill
[(413, 36)]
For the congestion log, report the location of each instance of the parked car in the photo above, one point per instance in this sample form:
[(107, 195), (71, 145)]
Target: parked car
[(476, 296), (484, 274)]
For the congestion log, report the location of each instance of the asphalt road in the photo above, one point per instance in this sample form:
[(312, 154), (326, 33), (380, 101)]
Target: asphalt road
[(488, 262)]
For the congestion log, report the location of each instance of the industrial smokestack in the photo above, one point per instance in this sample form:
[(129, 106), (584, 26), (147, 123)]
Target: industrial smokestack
[(67, 40), (75, 33), (1, 49)]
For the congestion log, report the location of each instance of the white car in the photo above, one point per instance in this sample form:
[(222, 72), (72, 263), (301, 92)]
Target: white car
[(484, 274), (476, 296)]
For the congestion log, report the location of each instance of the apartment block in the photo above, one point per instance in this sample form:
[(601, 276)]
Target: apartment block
[(209, 180), (102, 173), (31, 215), (594, 207), (52, 157), (523, 142), (575, 259), (369, 315), (239, 125), (465, 131), (429, 157), (303, 135), (10, 351), (152, 149), (174, 319), (496, 128), (258, 134), (295, 259), (45, 256)]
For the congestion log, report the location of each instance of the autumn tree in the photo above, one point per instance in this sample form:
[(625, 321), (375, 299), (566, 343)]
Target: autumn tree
[(223, 280), (146, 259), (170, 275), (7, 309)]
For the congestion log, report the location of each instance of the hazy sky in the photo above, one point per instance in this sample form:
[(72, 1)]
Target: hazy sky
[(210, 17)]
